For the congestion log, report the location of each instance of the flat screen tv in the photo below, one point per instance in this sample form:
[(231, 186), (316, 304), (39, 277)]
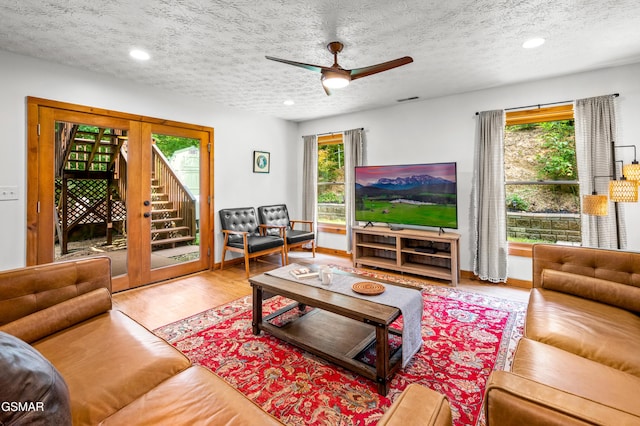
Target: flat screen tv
[(410, 194)]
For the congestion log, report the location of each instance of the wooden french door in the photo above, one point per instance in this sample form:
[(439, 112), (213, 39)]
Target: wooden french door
[(123, 186)]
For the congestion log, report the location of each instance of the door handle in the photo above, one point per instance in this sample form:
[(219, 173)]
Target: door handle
[(146, 214)]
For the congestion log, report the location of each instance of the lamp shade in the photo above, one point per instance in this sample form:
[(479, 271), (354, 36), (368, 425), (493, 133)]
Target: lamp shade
[(623, 191), (632, 171), (595, 205)]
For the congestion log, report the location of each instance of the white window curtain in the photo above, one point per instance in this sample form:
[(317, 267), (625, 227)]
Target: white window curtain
[(595, 126), (310, 181), (354, 155), (488, 199)]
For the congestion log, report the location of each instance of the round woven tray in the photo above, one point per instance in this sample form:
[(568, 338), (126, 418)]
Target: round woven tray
[(368, 287)]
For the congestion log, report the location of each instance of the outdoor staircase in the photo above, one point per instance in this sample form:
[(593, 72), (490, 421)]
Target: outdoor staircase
[(91, 182), (84, 173), (89, 152), (167, 227)]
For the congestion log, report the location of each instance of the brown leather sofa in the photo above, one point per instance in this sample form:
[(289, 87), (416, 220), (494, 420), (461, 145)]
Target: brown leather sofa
[(418, 406), (115, 371), (579, 360)]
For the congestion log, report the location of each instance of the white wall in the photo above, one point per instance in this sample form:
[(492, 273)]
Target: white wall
[(443, 129), (426, 131), (237, 135)]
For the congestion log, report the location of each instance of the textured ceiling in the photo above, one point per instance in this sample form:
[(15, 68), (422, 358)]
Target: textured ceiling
[(214, 49)]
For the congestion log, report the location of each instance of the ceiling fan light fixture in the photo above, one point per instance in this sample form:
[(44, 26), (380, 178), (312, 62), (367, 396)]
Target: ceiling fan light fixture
[(335, 80), (336, 77)]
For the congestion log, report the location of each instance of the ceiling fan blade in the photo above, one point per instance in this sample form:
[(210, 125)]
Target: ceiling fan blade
[(374, 69), (310, 67)]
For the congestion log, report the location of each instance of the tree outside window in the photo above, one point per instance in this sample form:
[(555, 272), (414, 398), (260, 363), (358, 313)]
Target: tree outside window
[(331, 208)]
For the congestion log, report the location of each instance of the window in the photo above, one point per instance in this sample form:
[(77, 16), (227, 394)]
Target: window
[(331, 207), (541, 177)]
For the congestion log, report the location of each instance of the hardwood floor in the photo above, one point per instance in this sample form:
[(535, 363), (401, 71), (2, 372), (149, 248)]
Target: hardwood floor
[(162, 303)]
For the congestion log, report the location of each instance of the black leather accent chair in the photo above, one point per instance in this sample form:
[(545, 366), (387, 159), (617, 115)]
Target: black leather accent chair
[(277, 216), (243, 234)]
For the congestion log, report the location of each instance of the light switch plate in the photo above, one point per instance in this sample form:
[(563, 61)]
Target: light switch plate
[(8, 193)]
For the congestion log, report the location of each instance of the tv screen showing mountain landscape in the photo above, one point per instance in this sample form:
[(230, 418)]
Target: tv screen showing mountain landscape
[(415, 194)]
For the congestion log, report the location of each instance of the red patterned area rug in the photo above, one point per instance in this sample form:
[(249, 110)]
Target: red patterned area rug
[(465, 336)]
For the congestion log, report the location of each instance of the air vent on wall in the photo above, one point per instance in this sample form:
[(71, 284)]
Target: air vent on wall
[(412, 98)]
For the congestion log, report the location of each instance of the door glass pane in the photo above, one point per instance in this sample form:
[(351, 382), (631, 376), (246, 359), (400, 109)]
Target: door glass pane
[(175, 200), (90, 193)]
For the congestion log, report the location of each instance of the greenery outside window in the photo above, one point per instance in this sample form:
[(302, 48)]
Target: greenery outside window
[(331, 207), (541, 178)]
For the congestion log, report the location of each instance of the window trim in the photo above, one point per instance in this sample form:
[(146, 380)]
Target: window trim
[(331, 139), (536, 115)]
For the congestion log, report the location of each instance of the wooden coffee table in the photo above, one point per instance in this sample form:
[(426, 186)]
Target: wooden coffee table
[(338, 329)]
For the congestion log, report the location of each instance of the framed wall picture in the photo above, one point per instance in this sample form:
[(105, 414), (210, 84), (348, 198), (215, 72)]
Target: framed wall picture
[(261, 162)]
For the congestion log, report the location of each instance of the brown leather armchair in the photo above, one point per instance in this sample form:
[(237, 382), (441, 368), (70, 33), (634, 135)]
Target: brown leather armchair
[(277, 216), (243, 234)]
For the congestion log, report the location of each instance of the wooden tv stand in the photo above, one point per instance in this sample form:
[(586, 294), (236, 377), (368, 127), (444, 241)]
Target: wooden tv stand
[(427, 253)]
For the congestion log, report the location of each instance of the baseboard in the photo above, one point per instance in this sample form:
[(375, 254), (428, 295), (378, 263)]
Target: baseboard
[(325, 250), (230, 262), (335, 252), (514, 282), (511, 282)]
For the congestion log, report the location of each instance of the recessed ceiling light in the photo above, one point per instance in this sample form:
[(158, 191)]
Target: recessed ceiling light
[(288, 102), (533, 43), (140, 55)]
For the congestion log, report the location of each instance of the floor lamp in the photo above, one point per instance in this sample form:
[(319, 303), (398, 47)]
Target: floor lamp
[(623, 190)]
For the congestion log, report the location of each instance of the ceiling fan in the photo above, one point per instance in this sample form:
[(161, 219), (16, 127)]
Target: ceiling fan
[(335, 77)]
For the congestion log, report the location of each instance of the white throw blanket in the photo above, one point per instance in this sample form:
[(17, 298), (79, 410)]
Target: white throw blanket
[(408, 300)]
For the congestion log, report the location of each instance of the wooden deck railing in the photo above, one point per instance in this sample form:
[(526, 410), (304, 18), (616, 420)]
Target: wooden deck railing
[(120, 172), (66, 134), (179, 195)]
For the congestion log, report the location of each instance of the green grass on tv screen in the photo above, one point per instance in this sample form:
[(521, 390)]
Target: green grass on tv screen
[(437, 215)]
